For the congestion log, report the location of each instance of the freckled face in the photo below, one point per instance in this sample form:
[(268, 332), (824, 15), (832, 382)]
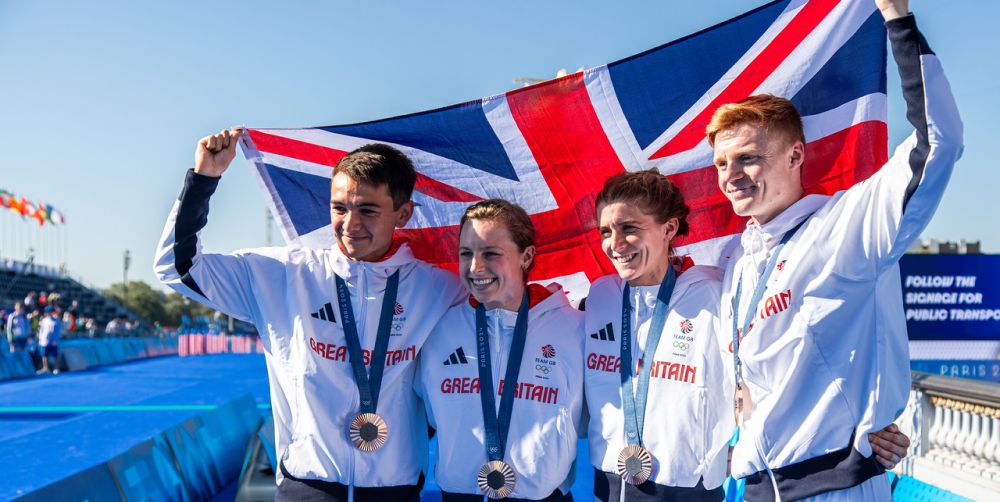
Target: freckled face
[(759, 172), (637, 245), (363, 217), (491, 264)]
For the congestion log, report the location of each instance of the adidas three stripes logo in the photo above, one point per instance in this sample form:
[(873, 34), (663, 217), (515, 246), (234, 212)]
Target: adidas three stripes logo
[(606, 333), (325, 313), (457, 357)]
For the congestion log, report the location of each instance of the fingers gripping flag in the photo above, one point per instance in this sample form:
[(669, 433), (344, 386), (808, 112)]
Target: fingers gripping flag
[(549, 147)]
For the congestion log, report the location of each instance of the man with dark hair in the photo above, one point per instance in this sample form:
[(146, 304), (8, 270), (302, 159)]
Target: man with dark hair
[(335, 324), (812, 300), (379, 164)]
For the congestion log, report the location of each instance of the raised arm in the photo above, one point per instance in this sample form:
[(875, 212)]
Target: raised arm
[(926, 159), (887, 212), (222, 282)]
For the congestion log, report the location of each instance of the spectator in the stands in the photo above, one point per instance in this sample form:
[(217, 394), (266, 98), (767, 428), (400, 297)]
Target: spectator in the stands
[(43, 300), (91, 326), (49, 329), (54, 298), (68, 322), (30, 301), (114, 327), (17, 328), (5, 344)]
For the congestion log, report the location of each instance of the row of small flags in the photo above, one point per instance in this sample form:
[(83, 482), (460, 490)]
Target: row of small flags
[(196, 344), (40, 211)]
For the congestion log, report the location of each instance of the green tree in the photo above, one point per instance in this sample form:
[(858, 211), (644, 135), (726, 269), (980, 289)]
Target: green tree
[(142, 299), (178, 305)]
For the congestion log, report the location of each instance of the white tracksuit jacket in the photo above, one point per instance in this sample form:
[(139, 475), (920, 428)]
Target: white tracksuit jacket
[(688, 419), (547, 416), (290, 295), (826, 359)]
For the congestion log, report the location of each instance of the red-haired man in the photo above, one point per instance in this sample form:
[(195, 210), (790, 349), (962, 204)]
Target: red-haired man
[(812, 301)]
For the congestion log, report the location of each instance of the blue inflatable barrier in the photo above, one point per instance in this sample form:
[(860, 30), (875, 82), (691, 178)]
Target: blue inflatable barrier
[(16, 365), (193, 460), (147, 472), (96, 483), (266, 434)]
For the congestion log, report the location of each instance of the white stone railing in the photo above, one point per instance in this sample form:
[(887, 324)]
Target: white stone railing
[(954, 426)]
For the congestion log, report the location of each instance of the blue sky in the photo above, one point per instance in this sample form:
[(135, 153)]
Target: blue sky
[(101, 102)]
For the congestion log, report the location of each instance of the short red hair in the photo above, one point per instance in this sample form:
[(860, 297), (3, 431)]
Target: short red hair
[(772, 113)]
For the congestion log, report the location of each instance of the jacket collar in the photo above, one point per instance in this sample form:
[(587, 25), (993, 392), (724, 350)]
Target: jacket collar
[(540, 300), (687, 274), (399, 254), (757, 238)]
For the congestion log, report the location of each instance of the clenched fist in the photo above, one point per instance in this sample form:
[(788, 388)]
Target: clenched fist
[(214, 153), (891, 9)]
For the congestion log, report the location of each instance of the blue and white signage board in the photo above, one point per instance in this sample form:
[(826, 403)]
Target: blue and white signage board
[(952, 304), (951, 297)]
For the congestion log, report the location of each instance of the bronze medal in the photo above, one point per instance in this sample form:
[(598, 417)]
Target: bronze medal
[(741, 403), (496, 479), (368, 432), (635, 465)]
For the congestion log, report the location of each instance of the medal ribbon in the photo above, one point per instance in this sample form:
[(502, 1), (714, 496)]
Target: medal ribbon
[(634, 404), (496, 427), (758, 294), (368, 383)]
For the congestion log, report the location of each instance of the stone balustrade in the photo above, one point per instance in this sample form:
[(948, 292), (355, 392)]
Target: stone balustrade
[(954, 426)]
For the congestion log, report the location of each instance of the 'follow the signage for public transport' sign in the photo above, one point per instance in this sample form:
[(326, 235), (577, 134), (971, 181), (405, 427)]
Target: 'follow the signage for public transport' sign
[(951, 297)]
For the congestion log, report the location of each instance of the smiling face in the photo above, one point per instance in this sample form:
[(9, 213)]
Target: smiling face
[(759, 172), (637, 245), (491, 264), (363, 217)]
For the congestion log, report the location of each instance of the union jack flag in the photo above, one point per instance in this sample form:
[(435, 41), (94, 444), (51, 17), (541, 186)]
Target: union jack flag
[(549, 147)]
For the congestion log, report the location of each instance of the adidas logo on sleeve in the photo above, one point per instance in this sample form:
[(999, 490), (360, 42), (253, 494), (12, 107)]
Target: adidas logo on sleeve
[(457, 357), (325, 313), (606, 333)]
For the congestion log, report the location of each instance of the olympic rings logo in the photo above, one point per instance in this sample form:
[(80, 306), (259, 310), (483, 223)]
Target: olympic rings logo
[(681, 345), (543, 368)]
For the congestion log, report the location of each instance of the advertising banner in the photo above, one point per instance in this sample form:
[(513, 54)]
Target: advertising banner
[(951, 297)]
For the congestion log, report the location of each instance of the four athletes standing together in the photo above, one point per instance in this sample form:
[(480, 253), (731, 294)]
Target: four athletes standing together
[(800, 340)]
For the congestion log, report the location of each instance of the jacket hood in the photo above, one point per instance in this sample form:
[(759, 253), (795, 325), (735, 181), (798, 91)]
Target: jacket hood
[(689, 275), (541, 299), (757, 237), (399, 255)]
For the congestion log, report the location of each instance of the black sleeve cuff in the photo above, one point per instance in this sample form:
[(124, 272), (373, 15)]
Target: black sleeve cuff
[(198, 186), (903, 34)]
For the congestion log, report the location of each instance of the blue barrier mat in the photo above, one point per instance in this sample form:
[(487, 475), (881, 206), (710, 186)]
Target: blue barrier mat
[(54, 426)]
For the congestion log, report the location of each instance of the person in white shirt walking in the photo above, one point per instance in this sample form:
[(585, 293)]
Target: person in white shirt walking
[(49, 330)]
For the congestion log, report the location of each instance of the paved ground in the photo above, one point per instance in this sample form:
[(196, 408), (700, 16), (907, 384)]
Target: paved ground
[(54, 426)]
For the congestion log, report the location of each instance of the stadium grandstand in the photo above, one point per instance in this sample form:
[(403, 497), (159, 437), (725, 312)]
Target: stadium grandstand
[(18, 280)]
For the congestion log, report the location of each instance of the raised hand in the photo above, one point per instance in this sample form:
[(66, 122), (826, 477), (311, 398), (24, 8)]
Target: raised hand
[(214, 153), (891, 9)]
